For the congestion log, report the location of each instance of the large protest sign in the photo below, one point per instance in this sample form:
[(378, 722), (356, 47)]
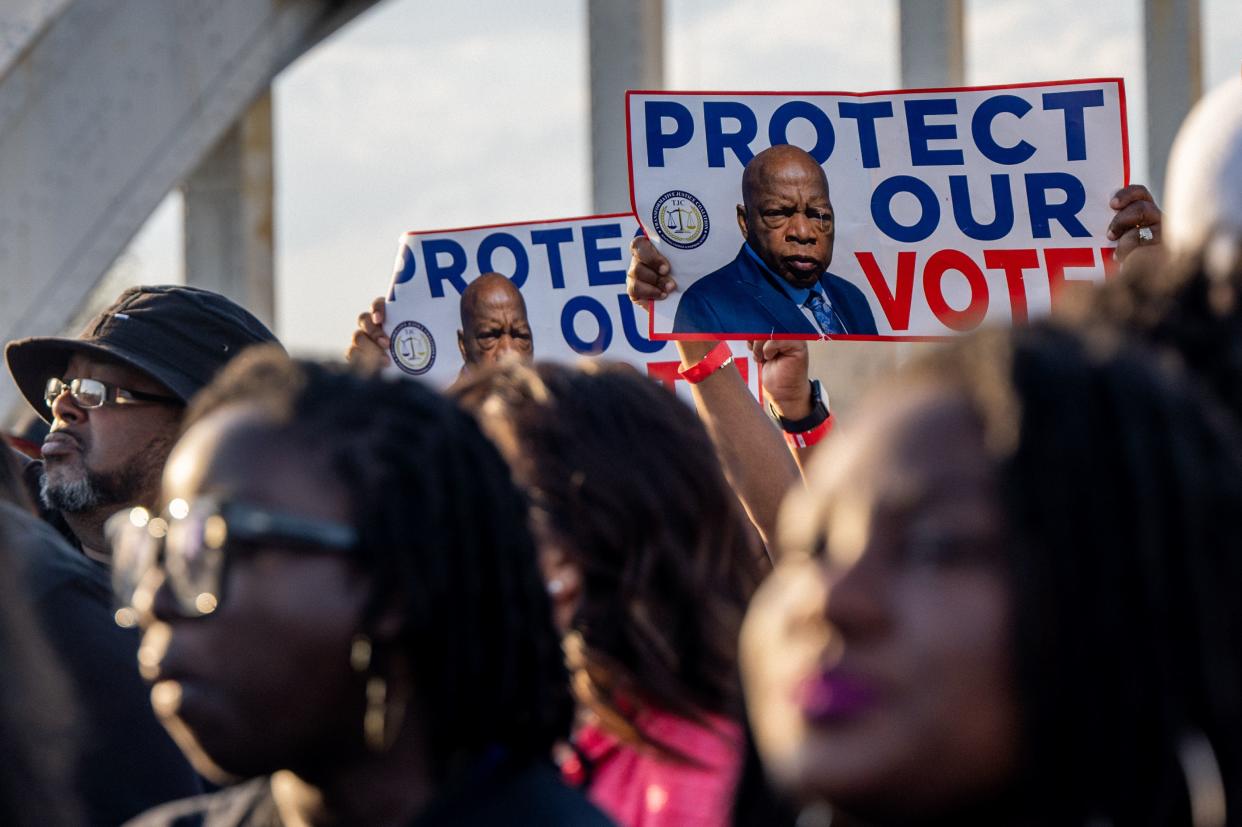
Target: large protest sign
[(571, 275), (944, 209)]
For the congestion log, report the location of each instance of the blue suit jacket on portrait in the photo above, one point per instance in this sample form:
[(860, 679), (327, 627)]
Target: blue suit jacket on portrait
[(743, 297)]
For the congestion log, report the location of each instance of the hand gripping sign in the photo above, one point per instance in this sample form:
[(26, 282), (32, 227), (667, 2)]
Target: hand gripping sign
[(883, 215), (556, 291)]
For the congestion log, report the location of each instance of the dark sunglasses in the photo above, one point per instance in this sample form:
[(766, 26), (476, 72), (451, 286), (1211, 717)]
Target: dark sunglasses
[(93, 393), (193, 543)]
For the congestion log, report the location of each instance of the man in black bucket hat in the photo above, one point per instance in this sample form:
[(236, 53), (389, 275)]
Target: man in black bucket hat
[(114, 397)]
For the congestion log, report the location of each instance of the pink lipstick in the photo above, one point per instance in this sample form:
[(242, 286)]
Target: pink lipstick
[(834, 697)]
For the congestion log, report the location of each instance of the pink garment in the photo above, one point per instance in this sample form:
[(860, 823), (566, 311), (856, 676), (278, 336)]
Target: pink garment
[(638, 788)]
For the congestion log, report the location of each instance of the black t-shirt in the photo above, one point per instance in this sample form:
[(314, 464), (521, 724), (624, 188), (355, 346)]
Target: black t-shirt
[(123, 760), (531, 797)]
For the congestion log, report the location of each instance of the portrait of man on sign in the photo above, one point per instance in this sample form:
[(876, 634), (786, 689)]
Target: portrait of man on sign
[(779, 282), (494, 324)]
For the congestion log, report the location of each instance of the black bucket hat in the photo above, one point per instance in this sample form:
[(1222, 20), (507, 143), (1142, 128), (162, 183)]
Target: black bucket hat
[(179, 336)]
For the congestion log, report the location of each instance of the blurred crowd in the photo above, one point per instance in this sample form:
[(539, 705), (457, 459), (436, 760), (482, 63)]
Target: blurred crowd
[(240, 588)]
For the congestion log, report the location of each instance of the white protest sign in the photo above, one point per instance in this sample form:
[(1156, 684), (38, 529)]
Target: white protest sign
[(945, 209), (571, 275)]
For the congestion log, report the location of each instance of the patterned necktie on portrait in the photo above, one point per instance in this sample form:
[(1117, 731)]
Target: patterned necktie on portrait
[(824, 316)]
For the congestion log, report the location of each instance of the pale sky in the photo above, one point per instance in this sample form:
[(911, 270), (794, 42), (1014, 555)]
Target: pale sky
[(425, 116)]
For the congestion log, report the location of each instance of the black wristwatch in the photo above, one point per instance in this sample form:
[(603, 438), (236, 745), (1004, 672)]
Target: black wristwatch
[(819, 413)]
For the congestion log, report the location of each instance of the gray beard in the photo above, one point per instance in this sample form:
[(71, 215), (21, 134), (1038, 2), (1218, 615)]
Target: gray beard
[(91, 491)]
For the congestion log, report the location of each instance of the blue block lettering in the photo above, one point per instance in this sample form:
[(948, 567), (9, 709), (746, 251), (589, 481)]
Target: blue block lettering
[(825, 136), (553, 239), (404, 271), (629, 325), (1072, 104), (866, 114), (591, 236), (882, 213), (438, 273), (981, 129), (521, 262), (714, 114), (921, 132), (1066, 212), (657, 139), (586, 304), (1002, 205)]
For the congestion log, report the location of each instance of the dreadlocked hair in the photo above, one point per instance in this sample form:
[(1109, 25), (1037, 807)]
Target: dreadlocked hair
[(443, 533), (623, 477), (1191, 306), (1123, 489)]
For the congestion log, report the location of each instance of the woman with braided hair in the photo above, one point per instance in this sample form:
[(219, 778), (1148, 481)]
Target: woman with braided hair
[(341, 601), (1009, 596), (650, 562)]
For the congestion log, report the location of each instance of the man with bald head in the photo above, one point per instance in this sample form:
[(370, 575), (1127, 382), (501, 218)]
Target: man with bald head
[(779, 282), (494, 326)]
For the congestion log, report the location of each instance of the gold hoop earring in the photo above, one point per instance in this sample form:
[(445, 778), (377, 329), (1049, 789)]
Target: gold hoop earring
[(378, 732), (360, 653), (375, 720)]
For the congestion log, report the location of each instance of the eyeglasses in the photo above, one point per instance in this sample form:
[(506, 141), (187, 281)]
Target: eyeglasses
[(193, 544), (776, 218), (93, 393)]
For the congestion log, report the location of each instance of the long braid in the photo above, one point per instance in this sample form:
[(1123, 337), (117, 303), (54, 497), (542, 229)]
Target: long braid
[(443, 533), (624, 479), (1124, 488)]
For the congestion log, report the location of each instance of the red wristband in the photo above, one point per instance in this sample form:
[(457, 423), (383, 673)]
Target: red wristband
[(806, 439), (721, 356)]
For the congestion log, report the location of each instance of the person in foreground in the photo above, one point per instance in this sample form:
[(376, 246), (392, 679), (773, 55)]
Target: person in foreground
[(329, 611), (650, 562), (81, 745), (1008, 597)]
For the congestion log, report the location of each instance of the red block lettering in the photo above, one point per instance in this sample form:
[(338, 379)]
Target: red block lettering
[(665, 373), (969, 317), (1013, 263), (1108, 255), (1057, 259), (895, 303)]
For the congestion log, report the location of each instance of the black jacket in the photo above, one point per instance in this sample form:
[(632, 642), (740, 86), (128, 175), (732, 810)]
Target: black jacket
[(123, 762)]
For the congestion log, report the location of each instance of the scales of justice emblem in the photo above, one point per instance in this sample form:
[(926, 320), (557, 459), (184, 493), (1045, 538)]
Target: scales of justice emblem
[(680, 219), (412, 347)]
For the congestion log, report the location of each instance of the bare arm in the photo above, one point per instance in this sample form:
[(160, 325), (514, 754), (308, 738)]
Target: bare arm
[(750, 448)]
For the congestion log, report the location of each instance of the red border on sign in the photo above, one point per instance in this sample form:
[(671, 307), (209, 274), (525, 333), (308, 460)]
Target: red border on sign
[(690, 337)]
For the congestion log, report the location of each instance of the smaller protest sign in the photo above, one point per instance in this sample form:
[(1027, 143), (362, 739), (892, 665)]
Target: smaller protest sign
[(558, 294), (900, 215)]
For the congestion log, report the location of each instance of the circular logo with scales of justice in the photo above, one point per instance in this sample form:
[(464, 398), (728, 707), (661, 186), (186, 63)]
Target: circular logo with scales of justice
[(680, 219), (412, 347)]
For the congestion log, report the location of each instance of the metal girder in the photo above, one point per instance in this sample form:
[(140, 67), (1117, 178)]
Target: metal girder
[(933, 52), (1174, 63), (626, 51), (21, 21), (230, 215), (105, 105)]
